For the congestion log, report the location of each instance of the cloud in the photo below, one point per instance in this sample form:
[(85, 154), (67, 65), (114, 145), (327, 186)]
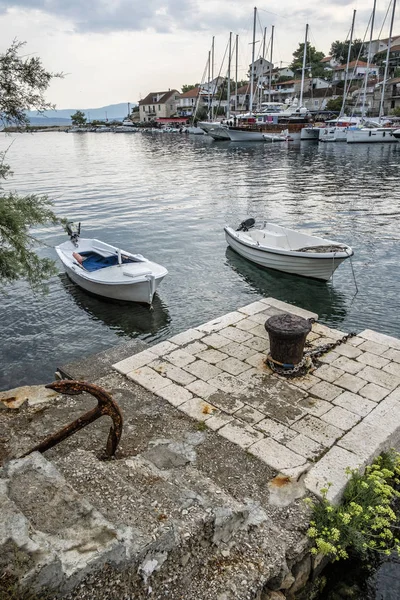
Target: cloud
[(102, 16), (166, 16)]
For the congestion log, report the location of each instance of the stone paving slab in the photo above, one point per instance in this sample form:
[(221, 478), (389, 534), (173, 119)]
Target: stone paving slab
[(341, 414)]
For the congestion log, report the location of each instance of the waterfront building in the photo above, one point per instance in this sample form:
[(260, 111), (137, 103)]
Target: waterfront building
[(159, 105)]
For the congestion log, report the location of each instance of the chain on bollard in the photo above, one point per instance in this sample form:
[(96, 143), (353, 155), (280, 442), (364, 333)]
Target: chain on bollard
[(306, 362)]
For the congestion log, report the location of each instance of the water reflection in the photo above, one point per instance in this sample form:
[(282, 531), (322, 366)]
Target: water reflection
[(124, 318), (318, 296)]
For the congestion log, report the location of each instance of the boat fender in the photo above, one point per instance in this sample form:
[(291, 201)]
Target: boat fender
[(78, 258), (246, 225)]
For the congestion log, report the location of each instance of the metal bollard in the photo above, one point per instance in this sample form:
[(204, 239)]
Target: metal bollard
[(287, 336)]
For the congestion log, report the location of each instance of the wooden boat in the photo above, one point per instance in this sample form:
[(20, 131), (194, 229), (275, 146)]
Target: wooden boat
[(287, 250), (108, 271)]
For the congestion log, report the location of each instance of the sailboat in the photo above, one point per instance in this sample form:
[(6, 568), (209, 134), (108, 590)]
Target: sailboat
[(375, 132), (336, 129), (288, 123), (242, 133), (217, 129)]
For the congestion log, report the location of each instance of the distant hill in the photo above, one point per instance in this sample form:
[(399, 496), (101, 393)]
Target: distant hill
[(63, 116), (48, 121)]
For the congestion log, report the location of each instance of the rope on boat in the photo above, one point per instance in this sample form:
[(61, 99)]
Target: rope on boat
[(354, 275)]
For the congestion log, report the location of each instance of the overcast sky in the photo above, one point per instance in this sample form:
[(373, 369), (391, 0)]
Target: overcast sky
[(120, 50)]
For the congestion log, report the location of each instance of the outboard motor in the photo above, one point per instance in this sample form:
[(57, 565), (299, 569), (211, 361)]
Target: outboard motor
[(74, 231), (246, 225)]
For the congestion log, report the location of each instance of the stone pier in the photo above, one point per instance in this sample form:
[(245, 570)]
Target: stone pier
[(204, 499), (341, 415)]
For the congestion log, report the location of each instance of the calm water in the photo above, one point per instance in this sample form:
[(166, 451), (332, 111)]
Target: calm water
[(168, 197)]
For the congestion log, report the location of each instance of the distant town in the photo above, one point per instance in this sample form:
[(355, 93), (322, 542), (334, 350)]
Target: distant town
[(321, 89)]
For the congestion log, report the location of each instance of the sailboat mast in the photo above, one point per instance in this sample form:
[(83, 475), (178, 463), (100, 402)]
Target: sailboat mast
[(368, 61), (252, 62), (236, 72), (387, 62), (209, 67), (347, 65), (270, 63), (304, 68), (212, 79), (261, 86), (264, 36), (228, 91)]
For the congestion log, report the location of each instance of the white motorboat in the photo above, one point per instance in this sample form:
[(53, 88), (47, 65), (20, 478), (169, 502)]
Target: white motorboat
[(103, 129), (396, 134), (108, 271), (242, 134), (126, 129), (277, 137), (219, 133), (371, 135), (194, 130), (287, 250), (310, 134)]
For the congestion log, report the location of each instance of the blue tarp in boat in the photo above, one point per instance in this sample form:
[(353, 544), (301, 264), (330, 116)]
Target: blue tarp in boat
[(93, 261)]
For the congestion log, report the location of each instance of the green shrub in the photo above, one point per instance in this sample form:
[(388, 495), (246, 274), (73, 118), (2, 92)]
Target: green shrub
[(365, 519)]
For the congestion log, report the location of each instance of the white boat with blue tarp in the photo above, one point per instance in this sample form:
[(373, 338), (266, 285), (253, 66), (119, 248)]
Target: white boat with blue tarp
[(108, 271)]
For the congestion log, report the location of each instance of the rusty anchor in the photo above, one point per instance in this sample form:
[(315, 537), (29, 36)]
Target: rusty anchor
[(106, 406)]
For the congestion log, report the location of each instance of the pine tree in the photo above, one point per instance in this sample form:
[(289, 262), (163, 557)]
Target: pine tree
[(23, 82)]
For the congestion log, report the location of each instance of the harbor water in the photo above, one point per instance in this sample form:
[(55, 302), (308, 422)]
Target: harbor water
[(168, 196)]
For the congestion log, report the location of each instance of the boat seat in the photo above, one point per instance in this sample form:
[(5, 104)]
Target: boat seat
[(270, 238)]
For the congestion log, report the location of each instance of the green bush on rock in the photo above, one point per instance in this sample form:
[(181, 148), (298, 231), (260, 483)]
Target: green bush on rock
[(365, 519)]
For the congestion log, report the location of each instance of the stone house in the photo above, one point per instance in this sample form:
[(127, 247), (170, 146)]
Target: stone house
[(241, 101), (262, 68), (329, 63), (382, 45), (279, 72), (373, 98), (189, 100), (357, 70), (159, 105)]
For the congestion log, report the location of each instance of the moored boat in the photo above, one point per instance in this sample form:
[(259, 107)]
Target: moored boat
[(382, 135), (286, 250), (108, 271)]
